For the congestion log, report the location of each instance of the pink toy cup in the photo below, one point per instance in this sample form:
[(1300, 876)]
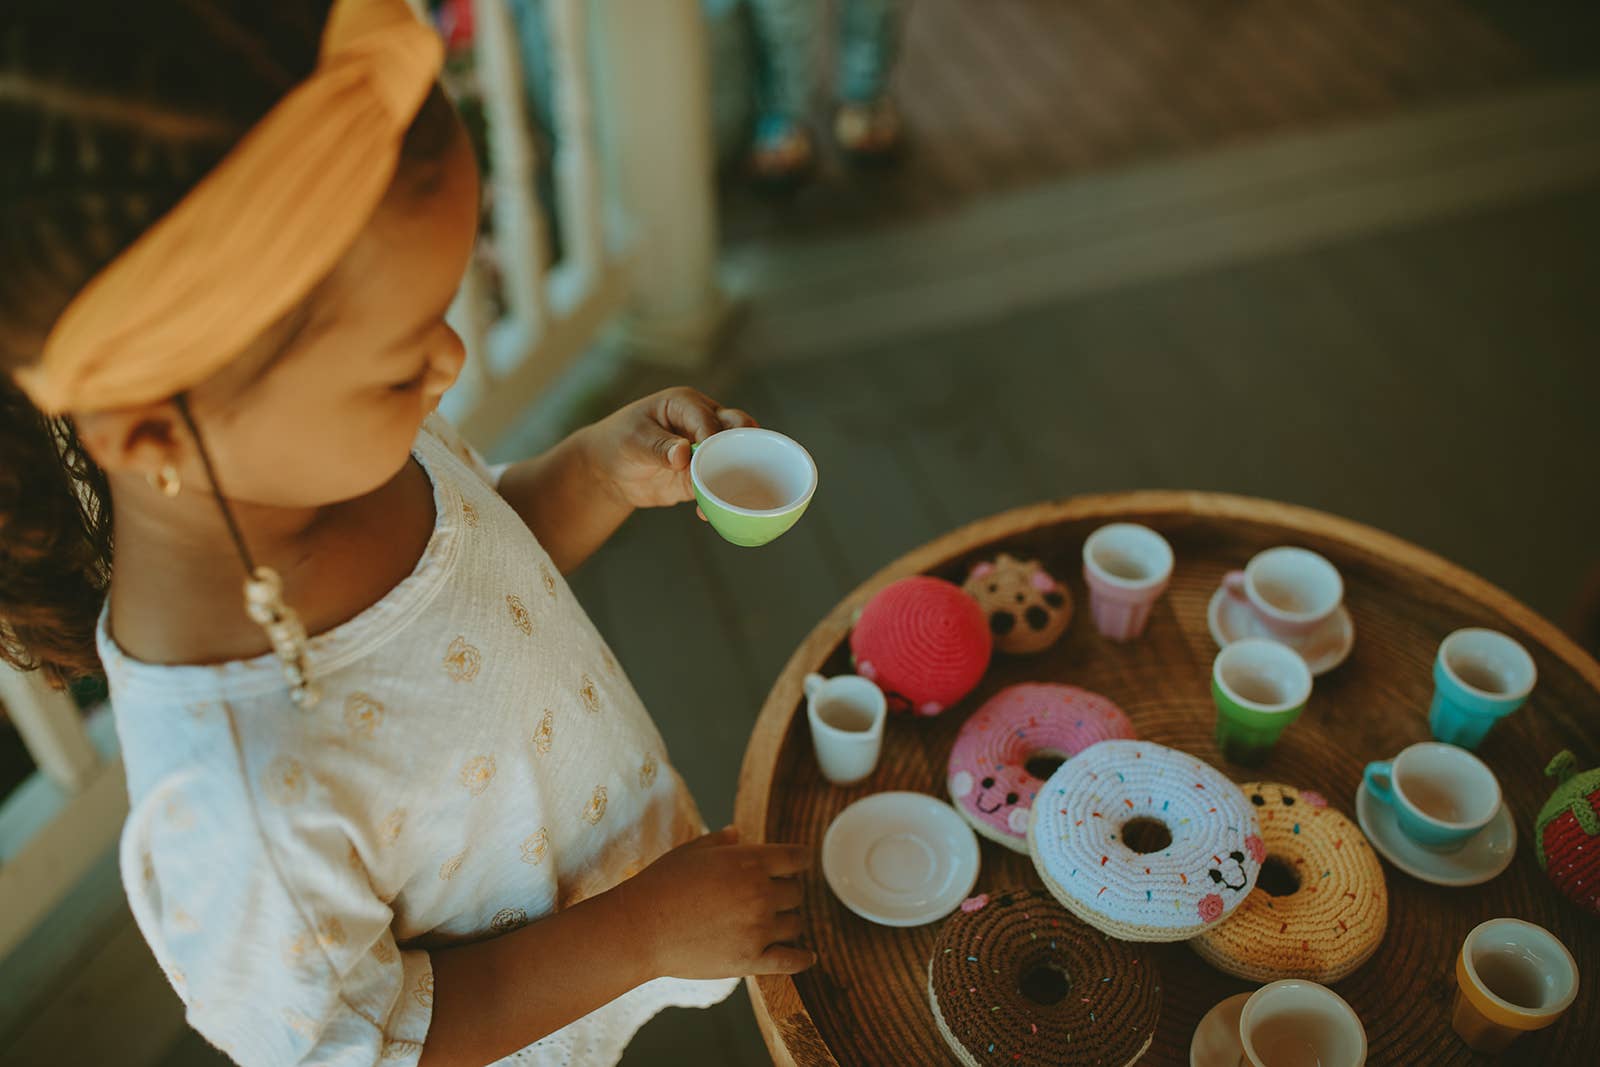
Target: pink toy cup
[(1127, 568)]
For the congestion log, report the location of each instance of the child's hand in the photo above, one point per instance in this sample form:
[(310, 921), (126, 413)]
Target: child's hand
[(714, 908), (642, 451)]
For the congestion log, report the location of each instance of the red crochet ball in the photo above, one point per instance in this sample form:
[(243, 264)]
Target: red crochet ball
[(924, 642)]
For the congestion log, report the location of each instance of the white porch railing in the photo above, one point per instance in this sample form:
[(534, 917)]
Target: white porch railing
[(633, 178), (635, 202)]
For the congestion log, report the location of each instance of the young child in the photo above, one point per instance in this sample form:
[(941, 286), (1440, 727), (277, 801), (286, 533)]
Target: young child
[(443, 828)]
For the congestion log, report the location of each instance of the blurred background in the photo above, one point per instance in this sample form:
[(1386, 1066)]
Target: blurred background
[(973, 254)]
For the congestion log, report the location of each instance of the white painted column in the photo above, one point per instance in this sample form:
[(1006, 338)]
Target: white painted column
[(51, 728), (655, 101)]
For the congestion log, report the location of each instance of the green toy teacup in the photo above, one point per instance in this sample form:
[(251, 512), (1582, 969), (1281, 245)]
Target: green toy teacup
[(1259, 687), (752, 484)]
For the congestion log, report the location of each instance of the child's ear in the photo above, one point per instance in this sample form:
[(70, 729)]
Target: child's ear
[(142, 440)]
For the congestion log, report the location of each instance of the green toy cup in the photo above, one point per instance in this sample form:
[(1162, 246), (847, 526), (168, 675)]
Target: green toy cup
[(1259, 687), (752, 484)]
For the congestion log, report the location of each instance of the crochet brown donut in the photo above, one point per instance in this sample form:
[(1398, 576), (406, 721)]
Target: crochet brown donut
[(1017, 979), (1331, 904)]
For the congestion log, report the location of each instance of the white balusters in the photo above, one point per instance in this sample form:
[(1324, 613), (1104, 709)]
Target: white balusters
[(577, 173), (518, 225)]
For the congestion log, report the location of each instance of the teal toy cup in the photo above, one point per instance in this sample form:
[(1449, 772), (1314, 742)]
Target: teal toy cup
[(1441, 794), (752, 484), (1479, 677), (1259, 687)]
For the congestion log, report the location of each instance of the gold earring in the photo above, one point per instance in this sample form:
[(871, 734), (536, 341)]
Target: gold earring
[(166, 480)]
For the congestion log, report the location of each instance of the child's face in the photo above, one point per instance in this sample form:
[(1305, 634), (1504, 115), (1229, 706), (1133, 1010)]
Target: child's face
[(327, 406)]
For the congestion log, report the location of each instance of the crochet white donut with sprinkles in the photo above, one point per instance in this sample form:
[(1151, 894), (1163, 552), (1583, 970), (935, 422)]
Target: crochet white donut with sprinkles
[(1144, 842)]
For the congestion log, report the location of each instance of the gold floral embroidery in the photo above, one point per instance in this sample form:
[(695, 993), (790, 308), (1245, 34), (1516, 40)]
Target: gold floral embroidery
[(469, 513), (178, 979), (397, 1049), (183, 922), (647, 773), (595, 810), (519, 614), (477, 773), (448, 869), (461, 661), (285, 781), (548, 579), (299, 1023), (507, 919), (178, 814), (536, 846), (391, 826), (362, 714), (590, 695), (295, 949), (609, 659), (423, 994), (383, 951), (147, 867), (330, 932), (544, 735)]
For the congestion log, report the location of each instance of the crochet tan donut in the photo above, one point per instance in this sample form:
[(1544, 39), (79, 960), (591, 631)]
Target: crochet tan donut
[(1016, 979), (1323, 929)]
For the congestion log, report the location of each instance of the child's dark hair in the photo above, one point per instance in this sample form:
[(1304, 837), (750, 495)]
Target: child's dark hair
[(109, 114)]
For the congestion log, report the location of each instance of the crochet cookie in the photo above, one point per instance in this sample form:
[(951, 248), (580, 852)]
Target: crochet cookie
[(1027, 609), (1015, 979), (923, 642), (1145, 842), (1320, 907), (990, 783)]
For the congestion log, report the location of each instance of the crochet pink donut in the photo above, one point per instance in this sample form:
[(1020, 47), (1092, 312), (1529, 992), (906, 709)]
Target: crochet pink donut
[(989, 780)]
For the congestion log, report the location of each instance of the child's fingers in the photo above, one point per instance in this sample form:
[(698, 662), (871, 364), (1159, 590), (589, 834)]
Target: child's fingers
[(672, 449), (788, 927), (691, 414), (784, 860), (728, 835), (784, 959), (732, 418), (700, 513), (787, 894)]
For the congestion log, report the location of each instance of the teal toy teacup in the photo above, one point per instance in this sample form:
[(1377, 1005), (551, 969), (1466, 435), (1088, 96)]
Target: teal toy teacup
[(1259, 687), (1479, 677), (1441, 794), (752, 484)]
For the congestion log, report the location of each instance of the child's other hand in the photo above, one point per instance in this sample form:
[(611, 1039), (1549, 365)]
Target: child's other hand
[(642, 451), (714, 908)]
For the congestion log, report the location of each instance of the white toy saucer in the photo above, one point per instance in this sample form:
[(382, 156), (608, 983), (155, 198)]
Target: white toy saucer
[(900, 859), (1484, 855)]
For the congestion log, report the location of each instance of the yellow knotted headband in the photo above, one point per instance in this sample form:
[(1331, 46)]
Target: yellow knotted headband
[(253, 237)]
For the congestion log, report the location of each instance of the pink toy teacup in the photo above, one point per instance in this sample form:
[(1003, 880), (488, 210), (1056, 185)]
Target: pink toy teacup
[(1294, 591), (1127, 568)]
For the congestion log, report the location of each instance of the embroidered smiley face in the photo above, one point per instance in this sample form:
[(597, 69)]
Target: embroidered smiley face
[(994, 797), (1231, 874)]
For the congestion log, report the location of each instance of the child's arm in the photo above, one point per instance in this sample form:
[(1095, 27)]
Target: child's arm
[(575, 496), (710, 909)]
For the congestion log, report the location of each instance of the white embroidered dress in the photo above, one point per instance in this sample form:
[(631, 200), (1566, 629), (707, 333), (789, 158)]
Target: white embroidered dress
[(478, 760)]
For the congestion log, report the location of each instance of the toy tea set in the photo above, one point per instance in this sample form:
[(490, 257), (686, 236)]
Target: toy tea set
[(1136, 842)]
